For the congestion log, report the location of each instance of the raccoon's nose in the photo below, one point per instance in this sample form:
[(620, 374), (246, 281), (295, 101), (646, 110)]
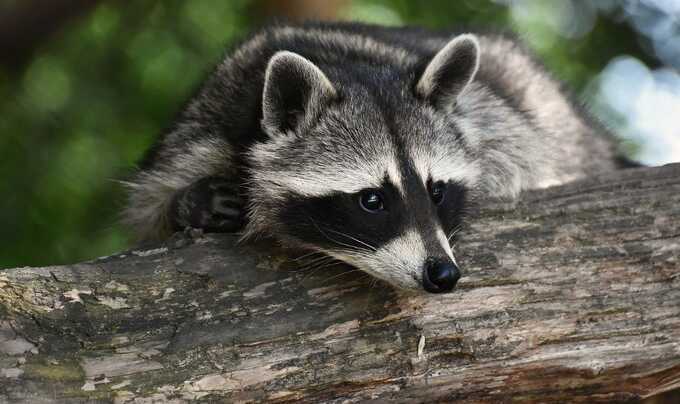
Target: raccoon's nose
[(440, 276)]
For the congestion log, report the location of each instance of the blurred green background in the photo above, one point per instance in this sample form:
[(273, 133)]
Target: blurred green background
[(80, 104)]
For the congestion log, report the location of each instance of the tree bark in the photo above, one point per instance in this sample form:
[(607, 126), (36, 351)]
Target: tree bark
[(570, 294)]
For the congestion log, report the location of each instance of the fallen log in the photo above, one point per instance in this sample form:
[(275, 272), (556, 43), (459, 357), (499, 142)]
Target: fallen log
[(570, 294)]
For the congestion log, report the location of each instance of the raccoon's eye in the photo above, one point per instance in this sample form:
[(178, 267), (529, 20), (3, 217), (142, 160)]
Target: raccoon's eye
[(437, 192), (371, 201)]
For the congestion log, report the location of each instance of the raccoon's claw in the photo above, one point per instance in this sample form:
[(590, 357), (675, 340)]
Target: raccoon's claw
[(211, 204)]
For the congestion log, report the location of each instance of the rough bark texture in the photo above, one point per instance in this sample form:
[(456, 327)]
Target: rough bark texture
[(571, 294)]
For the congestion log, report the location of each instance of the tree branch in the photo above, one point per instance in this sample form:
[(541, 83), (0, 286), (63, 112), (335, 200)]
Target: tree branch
[(571, 294)]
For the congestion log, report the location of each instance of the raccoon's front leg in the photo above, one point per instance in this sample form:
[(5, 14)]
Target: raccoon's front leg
[(212, 204)]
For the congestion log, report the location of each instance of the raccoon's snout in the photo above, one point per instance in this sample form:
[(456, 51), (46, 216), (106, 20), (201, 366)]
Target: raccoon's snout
[(440, 276)]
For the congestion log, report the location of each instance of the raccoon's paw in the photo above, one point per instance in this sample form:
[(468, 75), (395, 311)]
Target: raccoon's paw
[(212, 204)]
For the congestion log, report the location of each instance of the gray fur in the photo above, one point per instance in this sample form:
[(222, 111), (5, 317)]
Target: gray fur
[(305, 73), (460, 55), (374, 101)]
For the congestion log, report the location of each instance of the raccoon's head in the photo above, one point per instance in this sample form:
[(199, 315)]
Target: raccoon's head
[(366, 163)]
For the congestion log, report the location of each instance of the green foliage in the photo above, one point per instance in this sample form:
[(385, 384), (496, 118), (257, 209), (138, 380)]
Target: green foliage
[(89, 104), (84, 111)]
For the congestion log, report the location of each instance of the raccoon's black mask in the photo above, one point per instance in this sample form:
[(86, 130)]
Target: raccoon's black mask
[(365, 163)]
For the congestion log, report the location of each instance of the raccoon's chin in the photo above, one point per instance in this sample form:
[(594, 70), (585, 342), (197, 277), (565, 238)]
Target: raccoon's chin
[(402, 284), (396, 278)]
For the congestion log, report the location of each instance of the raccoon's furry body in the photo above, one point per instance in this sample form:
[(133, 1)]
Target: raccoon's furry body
[(317, 112)]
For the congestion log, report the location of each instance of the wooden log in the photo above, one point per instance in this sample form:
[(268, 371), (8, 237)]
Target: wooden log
[(572, 293)]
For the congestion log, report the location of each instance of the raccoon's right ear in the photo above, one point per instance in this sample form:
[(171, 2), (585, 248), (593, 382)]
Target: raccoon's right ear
[(450, 71), (295, 91)]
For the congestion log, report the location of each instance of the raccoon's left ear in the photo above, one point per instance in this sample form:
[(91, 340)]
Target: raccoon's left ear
[(450, 71), (295, 91)]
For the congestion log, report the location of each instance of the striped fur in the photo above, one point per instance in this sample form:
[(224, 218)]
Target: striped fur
[(301, 117)]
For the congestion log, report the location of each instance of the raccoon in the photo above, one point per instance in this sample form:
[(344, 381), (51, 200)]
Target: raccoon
[(364, 143)]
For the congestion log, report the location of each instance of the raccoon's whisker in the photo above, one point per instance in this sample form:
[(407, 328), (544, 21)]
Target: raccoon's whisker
[(308, 255), (339, 275), (311, 260), (312, 272), (452, 233), (455, 231), (372, 248), (357, 252), (350, 247), (315, 270), (316, 264)]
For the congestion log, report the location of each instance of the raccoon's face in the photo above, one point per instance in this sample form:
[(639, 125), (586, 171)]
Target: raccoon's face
[(373, 174)]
